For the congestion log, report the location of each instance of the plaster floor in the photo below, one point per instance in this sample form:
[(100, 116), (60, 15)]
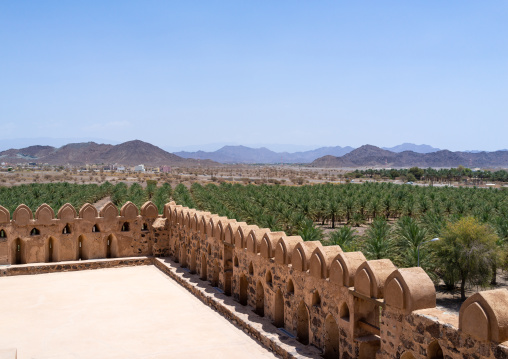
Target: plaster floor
[(131, 312)]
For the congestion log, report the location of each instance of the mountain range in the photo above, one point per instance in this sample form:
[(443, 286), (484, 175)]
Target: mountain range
[(243, 154), (128, 153), (138, 152), (372, 156)]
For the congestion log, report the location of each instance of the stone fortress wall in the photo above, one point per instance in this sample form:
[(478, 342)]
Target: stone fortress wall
[(337, 301)]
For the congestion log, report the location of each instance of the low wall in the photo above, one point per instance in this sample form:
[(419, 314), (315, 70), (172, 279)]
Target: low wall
[(31, 269), (74, 235), (278, 342)]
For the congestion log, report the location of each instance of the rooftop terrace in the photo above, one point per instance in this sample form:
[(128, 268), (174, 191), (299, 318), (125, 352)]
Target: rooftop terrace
[(129, 312)]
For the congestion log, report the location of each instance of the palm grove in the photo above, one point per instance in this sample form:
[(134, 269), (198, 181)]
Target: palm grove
[(471, 223)]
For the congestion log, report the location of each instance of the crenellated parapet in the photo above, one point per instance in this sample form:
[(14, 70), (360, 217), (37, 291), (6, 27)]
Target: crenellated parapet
[(338, 301), (72, 235)]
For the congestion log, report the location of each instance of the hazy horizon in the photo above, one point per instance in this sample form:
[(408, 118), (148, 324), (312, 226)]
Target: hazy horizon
[(209, 147)]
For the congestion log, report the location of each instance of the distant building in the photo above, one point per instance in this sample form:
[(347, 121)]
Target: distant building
[(165, 169), (139, 168)]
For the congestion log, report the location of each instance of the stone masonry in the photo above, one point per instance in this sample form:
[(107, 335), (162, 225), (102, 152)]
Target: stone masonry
[(337, 301)]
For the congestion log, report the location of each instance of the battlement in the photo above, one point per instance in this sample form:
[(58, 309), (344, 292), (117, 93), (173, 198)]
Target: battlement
[(337, 301)]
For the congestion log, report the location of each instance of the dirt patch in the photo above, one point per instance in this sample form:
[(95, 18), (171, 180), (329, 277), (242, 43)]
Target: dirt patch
[(100, 203), (449, 300)]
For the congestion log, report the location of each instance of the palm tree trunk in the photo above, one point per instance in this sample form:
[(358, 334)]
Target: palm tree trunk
[(463, 289), (494, 274)]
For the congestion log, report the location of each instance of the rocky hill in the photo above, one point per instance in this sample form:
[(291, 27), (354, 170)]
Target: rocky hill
[(128, 153), (372, 156)]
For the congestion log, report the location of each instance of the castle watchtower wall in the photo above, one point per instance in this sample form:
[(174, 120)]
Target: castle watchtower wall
[(337, 301)]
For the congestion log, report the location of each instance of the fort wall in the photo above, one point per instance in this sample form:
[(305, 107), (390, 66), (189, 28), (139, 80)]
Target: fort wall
[(336, 301)]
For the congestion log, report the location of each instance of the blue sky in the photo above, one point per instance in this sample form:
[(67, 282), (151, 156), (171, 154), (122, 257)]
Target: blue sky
[(306, 73)]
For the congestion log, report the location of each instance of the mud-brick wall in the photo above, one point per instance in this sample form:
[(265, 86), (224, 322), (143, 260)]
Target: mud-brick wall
[(339, 302), (336, 301), (72, 235)]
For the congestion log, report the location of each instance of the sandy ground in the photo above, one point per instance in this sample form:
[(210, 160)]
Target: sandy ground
[(100, 203), (132, 312)]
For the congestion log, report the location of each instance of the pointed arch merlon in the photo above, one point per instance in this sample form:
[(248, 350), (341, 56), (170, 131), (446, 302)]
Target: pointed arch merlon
[(5, 216), (284, 249), (241, 235), (253, 240), (188, 218), (302, 252), (88, 212), (175, 211), (371, 276), (202, 223), (22, 215), (67, 212), (44, 214), (109, 211), (410, 289), (484, 315), (174, 214), (321, 259), (149, 210), (221, 226), (344, 267), (181, 213), (129, 210), (231, 231), (219, 229), (211, 226), (167, 211), (269, 243), (194, 221)]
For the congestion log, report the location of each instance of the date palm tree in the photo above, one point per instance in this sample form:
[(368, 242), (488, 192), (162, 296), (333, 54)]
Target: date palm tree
[(378, 243), (345, 237)]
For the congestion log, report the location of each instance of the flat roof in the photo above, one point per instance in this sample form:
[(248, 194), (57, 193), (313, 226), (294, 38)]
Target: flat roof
[(129, 312)]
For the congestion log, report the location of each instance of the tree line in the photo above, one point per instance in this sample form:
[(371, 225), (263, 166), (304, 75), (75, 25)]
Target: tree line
[(57, 194), (460, 174)]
